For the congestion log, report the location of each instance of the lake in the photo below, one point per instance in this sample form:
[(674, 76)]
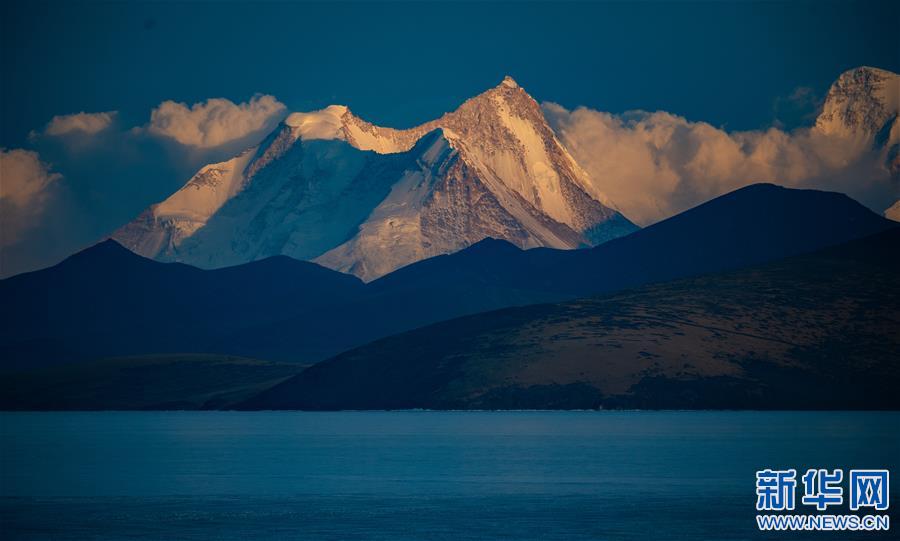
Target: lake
[(417, 475)]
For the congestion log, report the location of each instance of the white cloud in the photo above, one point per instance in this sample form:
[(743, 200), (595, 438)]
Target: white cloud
[(87, 123), (215, 121), (655, 165), (24, 183)]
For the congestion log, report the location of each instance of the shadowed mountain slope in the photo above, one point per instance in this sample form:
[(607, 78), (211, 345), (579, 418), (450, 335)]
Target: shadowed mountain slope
[(818, 331), (752, 225), (106, 301)]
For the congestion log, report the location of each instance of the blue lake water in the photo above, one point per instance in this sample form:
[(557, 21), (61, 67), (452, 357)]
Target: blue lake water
[(417, 475)]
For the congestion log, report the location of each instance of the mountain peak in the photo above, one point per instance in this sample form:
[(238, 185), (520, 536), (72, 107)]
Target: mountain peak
[(108, 246), (326, 123), (509, 82), (865, 72), (105, 252), (491, 168), (860, 103)]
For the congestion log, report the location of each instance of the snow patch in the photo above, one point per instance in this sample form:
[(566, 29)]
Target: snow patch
[(509, 82), (539, 182), (324, 124), (206, 192), (859, 103), (373, 140)]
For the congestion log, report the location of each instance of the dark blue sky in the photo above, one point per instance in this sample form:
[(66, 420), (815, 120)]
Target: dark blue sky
[(400, 64)]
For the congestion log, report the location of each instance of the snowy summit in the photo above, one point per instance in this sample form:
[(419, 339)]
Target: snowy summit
[(331, 187)]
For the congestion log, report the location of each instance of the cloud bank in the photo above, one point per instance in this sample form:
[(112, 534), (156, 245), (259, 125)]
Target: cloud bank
[(104, 174), (655, 165), (24, 183), (87, 123), (215, 121)]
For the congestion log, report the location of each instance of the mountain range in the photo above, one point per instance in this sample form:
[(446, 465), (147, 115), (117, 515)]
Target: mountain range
[(810, 331), (107, 301), (330, 187), (819, 331), (468, 262)]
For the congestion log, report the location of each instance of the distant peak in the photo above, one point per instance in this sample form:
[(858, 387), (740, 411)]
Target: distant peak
[(862, 79), (339, 110), (332, 112), (322, 124), (863, 71), (860, 102), (509, 82)]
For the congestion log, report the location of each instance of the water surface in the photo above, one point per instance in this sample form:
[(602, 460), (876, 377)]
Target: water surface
[(415, 475)]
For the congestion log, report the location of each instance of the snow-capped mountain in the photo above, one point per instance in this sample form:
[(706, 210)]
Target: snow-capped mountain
[(862, 102), (862, 107), (365, 199)]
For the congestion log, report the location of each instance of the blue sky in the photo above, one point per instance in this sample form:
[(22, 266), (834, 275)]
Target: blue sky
[(399, 64), (731, 64)]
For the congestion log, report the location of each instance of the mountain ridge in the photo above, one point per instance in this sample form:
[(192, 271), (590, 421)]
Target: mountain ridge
[(815, 331), (380, 198), (286, 310)]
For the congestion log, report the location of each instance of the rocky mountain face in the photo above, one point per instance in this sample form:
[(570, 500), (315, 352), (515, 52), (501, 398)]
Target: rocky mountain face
[(861, 113), (862, 108), (330, 187), (862, 102)]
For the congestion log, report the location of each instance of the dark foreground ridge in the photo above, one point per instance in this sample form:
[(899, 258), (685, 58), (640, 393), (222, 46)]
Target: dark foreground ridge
[(108, 302), (820, 331)]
